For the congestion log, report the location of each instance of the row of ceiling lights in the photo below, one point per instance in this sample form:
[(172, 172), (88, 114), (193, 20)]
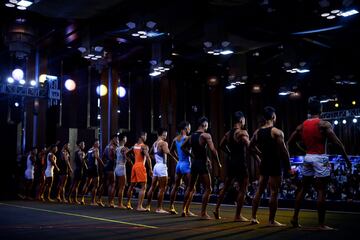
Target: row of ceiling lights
[(337, 13), (19, 4)]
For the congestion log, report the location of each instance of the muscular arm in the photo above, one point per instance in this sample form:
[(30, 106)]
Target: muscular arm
[(128, 159), (295, 136), (253, 144), (243, 136), (327, 130), (53, 162), (68, 162), (97, 157), (208, 139), (223, 144), (165, 149), (147, 156), (173, 148), (186, 146), (127, 153), (278, 135)]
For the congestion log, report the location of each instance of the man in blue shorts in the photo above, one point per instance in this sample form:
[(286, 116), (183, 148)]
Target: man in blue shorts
[(183, 167)]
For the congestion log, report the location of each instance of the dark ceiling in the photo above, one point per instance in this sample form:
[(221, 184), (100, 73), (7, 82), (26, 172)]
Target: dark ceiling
[(270, 33)]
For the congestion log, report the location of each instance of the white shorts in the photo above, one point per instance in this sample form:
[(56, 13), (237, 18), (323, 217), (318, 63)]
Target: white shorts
[(317, 165), (160, 170), (120, 170), (49, 173), (29, 174)]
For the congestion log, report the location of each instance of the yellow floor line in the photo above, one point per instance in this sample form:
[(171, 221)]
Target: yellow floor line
[(82, 216)]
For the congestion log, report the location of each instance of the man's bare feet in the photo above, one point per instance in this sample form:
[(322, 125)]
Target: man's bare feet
[(295, 223), (241, 219), (162, 211), (254, 221), (173, 211), (216, 214), (141, 209), (326, 228), (276, 224), (190, 214), (121, 206), (205, 217)]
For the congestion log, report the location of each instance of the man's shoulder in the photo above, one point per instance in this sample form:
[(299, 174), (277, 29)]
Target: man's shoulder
[(277, 132)]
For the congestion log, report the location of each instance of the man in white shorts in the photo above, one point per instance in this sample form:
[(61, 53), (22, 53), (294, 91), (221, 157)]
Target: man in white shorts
[(160, 173), (314, 133), (49, 172), (120, 169), (29, 173)]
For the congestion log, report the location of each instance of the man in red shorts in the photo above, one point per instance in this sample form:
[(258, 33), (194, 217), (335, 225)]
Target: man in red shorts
[(138, 172)]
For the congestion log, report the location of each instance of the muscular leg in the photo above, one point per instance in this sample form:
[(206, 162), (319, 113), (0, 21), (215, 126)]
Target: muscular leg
[(162, 187), (187, 182), (40, 193), (187, 198), (240, 200), (100, 190), (111, 188), (129, 195), (256, 200), (222, 196), (141, 197), (206, 181), (321, 184), (154, 182), (94, 190), (29, 184), (60, 188), (85, 189), (305, 186), (121, 187), (174, 192), (49, 183), (274, 182)]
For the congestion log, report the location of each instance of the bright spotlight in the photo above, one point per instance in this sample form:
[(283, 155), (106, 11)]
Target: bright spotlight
[(121, 91), (16, 104), (10, 80), (70, 85), (33, 83), (353, 102), (337, 105), (17, 74), (101, 90), (336, 122), (229, 87), (155, 73), (226, 52), (354, 120), (42, 78), (344, 121), (22, 82), (349, 13)]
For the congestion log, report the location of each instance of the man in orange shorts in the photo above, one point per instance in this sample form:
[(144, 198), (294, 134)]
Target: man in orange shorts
[(138, 172)]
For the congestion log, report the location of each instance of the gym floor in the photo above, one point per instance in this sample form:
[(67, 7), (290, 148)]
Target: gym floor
[(37, 220)]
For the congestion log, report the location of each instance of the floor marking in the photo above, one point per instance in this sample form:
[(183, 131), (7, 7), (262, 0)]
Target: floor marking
[(82, 216)]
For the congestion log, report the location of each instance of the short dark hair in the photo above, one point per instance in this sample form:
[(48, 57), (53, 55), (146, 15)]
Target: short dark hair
[(142, 133), (115, 135), (160, 131), (52, 146), (202, 120), (183, 125), (122, 136), (78, 142), (314, 106), (238, 115), (268, 112)]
